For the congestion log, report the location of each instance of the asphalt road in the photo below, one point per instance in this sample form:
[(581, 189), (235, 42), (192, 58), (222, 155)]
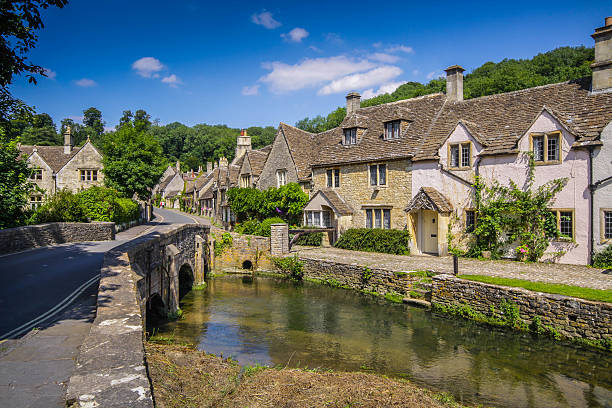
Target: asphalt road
[(35, 282)]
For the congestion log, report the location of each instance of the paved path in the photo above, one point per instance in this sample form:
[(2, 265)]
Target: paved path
[(35, 368), (540, 272)]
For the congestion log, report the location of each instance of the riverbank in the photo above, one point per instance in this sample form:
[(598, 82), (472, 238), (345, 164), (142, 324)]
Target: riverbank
[(183, 376)]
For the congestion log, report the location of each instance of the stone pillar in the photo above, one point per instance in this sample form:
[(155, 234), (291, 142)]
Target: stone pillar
[(200, 259), (454, 83), (279, 239)]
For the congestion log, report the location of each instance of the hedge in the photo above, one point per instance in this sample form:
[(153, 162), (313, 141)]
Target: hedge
[(312, 239), (375, 240), (603, 259), (254, 227)]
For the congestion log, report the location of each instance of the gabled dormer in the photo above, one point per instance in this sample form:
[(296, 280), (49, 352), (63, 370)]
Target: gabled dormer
[(461, 147)]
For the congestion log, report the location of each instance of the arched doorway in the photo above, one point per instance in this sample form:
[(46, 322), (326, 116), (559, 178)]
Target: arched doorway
[(186, 280)]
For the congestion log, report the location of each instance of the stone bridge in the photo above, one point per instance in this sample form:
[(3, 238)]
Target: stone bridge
[(140, 279)]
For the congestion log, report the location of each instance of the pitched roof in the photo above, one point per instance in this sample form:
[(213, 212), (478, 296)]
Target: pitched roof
[(162, 186), (418, 115), (303, 149), (336, 201), (500, 120), (428, 198), (54, 156), (257, 160)]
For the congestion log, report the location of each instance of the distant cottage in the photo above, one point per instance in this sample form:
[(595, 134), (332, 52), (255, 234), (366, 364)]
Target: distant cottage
[(54, 168)]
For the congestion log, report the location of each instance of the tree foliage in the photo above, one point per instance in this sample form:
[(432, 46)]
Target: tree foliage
[(286, 202), (558, 65), (133, 161), (14, 184)]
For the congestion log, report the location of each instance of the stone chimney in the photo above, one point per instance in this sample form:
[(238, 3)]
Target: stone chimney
[(67, 140), (602, 67), (243, 145), (209, 167), (223, 162), (353, 102), (200, 169), (178, 166), (454, 83)]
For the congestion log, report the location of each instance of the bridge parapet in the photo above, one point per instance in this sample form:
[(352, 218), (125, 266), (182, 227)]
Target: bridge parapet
[(111, 368)]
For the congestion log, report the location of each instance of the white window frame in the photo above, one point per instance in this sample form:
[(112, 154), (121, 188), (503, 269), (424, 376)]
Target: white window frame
[(460, 155), (36, 174), (350, 136), (281, 177), (545, 137), (392, 130)]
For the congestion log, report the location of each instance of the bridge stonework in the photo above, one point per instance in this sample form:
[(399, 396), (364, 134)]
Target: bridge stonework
[(111, 367)]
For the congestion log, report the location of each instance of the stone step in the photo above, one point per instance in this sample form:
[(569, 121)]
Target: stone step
[(417, 302)]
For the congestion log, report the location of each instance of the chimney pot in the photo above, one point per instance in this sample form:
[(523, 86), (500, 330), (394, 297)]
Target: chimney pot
[(608, 21), (67, 140), (353, 102), (454, 83)]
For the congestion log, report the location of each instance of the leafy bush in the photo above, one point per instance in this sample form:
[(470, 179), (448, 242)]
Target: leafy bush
[(375, 240), (225, 242), (312, 239), (286, 202), (291, 266), (130, 210), (264, 227), (603, 259), (63, 206), (247, 227)]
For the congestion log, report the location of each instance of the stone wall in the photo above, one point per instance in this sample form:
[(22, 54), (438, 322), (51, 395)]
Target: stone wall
[(111, 367), (34, 236), (87, 158), (572, 317), (245, 249), (356, 190), (278, 159)]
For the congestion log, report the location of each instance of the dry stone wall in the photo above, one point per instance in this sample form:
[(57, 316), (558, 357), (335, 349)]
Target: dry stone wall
[(571, 317), (245, 250), (34, 236)]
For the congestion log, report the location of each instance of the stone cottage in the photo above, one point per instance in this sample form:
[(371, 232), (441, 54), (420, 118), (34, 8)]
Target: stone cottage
[(68, 167)]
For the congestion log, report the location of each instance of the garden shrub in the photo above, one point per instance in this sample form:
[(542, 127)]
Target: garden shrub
[(63, 206), (312, 239), (247, 227), (291, 266), (130, 210), (286, 202), (375, 240), (603, 259), (264, 228)]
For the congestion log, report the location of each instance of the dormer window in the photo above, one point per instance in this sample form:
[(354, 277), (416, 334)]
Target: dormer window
[(546, 148), (36, 174), (350, 136), (460, 155), (392, 130)]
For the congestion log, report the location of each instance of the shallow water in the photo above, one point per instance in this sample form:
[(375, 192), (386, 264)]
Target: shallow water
[(274, 322)]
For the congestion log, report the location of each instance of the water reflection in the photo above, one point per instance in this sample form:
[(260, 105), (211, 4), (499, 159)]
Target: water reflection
[(273, 322)]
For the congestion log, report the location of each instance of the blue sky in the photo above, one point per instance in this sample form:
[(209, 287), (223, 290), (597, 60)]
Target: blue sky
[(259, 63)]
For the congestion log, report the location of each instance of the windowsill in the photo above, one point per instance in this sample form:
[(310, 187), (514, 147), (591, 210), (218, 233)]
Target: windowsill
[(460, 168), (547, 163), (604, 241), (378, 187), (563, 239)]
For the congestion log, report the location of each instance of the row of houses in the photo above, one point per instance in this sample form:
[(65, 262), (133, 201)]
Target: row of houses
[(411, 164)]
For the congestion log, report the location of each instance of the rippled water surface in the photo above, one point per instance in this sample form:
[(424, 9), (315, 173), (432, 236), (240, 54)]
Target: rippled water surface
[(273, 322)]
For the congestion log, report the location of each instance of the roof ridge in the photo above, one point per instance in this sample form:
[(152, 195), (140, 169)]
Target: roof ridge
[(403, 100)]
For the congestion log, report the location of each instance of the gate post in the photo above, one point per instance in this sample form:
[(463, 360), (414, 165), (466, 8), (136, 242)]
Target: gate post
[(279, 239)]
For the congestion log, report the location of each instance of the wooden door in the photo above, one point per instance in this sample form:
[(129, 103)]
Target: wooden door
[(430, 232)]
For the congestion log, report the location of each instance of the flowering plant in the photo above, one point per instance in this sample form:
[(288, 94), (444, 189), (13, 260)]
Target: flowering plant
[(522, 250)]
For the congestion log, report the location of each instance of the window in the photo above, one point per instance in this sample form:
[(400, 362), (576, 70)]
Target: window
[(378, 218), (392, 130), (333, 178), (245, 181), (36, 174), (318, 218), (378, 174), (350, 136), (470, 220), (565, 222), (35, 202), (607, 225), (89, 175), (459, 155), (281, 178), (546, 148)]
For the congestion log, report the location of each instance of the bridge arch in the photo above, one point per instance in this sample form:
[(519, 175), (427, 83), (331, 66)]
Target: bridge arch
[(185, 280)]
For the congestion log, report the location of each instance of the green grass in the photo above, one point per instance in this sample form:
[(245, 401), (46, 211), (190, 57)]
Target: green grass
[(566, 290)]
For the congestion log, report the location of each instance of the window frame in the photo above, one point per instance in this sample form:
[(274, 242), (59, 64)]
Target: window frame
[(545, 135), (36, 174), (377, 217), (281, 177), (321, 216), (332, 177), (602, 226), (245, 180), (465, 220), (352, 139), (378, 167), (460, 158), (557, 212), (395, 132), (35, 201), (88, 175)]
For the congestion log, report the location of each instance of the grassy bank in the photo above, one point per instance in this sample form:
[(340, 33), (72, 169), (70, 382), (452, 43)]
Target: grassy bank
[(559, 289), (184, 377)]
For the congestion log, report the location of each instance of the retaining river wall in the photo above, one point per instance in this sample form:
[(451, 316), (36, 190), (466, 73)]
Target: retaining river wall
[(34, 236)]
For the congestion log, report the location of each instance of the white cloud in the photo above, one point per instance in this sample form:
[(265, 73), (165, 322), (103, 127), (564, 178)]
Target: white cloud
[(377, 44), (265, 19), (49, 73), (296, 35), (77, 118), (172, 80), (382, 57), (415, 72), (310, 72), (363, 80), (400, 48), (250, 90), (148, 67), (86, 82), (334, 38), (434, 74), (315, 49), (389, 87)]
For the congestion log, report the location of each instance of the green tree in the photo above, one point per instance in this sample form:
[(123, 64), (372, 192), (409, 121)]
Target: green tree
[(142, 120), (14, 185), (133, 162), (126, 118), (41, 132)]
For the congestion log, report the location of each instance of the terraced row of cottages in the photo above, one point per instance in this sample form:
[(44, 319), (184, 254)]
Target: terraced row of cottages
[(411, 164)]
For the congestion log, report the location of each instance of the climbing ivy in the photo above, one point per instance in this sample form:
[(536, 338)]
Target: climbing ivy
[(509, 214)]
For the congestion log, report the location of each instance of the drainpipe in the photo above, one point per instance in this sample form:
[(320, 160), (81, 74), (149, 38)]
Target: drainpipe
[(592, 188)]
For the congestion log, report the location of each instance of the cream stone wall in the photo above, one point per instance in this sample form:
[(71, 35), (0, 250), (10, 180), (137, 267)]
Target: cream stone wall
[(47, 183), (279, 159), (69, 176), (355, 189)]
